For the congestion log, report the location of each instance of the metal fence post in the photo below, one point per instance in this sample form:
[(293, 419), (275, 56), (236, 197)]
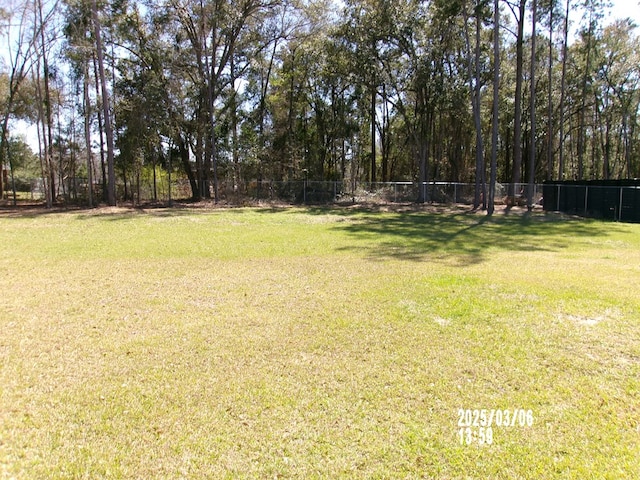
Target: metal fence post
[(586, 197), (620, 210)]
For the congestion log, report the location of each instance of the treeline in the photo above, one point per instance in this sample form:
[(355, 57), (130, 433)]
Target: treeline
[(223, 92)]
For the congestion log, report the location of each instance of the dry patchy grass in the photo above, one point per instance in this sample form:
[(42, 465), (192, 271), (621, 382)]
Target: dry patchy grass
[(316, 343)]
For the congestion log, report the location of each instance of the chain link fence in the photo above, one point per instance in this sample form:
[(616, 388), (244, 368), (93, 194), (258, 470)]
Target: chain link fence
[(297, 191), (617, 200), (388, 192)]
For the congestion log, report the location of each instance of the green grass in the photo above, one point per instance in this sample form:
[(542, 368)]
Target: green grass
[(316, 343)]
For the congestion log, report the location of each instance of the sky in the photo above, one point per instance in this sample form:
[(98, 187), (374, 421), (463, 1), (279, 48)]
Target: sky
[(626, 8)]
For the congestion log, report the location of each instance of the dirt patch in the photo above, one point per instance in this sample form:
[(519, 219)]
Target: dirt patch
[(591, 320)]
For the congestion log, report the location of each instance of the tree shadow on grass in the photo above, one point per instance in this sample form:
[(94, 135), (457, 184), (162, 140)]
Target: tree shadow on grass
[(461, 236), (83, 213), (159, 212), (405, 232), (124, 211)]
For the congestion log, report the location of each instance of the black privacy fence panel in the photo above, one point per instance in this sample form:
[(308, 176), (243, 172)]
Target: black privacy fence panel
[(617, 200)]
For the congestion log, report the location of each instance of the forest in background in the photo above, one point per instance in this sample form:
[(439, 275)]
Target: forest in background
[(221, 93)]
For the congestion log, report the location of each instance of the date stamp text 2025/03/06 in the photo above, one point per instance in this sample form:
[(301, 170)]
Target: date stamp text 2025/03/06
[(477, 426)]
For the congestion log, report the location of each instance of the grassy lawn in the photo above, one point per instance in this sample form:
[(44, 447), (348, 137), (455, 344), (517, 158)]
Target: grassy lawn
[(317, 343)]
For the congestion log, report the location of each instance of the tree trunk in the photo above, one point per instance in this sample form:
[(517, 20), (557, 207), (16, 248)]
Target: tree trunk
[(62, 174), (13, 178), (583, 103), (43, 149), (155, 179), (233, 112), (124, 183), (111, 180), (87, 134), (473, 74), (169, 169), (423, 154), (48, 115), (532, 141), (4, 147), (186, 164), (103, 166), (563, 83), (496, 105), (211, 159), (630, 150), (550, 136), (517, 124), (199, 154), (384, 135), (421, 139), (373, 135)]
